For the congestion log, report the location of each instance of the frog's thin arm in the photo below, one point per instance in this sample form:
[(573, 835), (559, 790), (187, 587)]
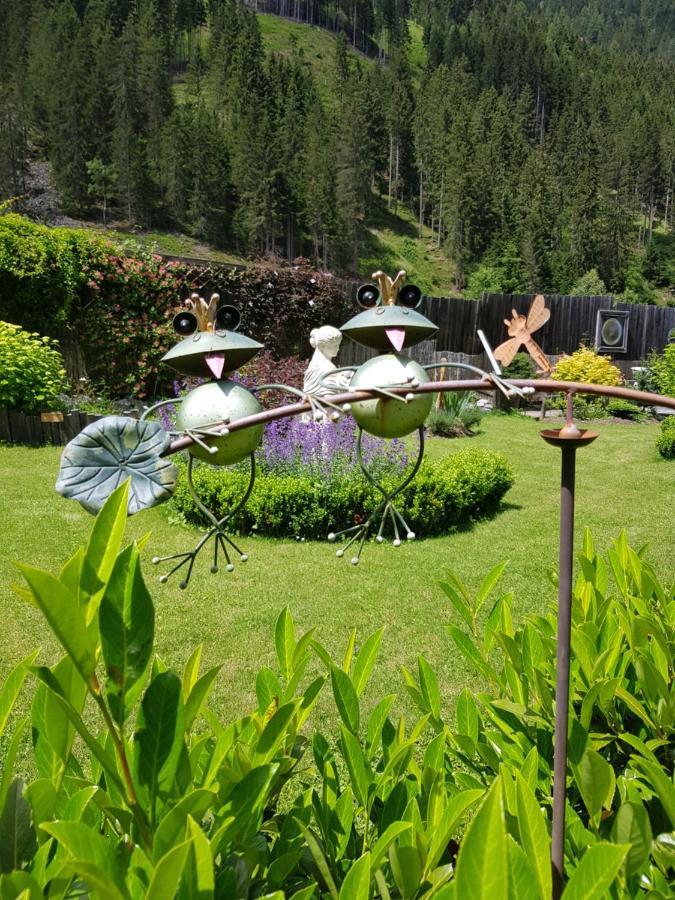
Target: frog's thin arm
[(316, 403), (504, 386), (378, 390)]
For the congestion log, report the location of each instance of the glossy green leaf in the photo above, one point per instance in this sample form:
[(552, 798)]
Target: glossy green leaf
[(11, 752), (345, 698), (660, 783), (467, 647), (19, 886), (467, 715), (522, 878), (632, 826), (191, 671), (87, 844), (171, 829), (273, 734), (168, 871), (359, 770), (17, 836), (127, 624), (452, 814), (98, 881), (356, 885), (482, 864), (429, 687), (11, 687), (406, 867), (534, 837), (267, 688), (596, 782), (63, 613), (284, 639), (376, 721), (593, 877), (365, 661), (489, 583), (106, 536), (159, 735), (198, 695), (385, 840), (53, 728), (97, 750), (198, 877), (245, 805)]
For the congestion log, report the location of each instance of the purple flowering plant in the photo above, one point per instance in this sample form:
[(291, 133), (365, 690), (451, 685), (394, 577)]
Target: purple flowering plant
[(326, 449)]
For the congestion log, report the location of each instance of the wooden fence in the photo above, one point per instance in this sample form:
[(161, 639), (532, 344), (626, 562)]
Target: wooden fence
[(17, 428), (572, 321)]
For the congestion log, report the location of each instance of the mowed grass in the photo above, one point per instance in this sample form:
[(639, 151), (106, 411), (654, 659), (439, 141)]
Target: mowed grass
[(622, 483)]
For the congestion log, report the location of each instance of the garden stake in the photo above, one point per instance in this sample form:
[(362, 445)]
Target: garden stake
[(569, 438)]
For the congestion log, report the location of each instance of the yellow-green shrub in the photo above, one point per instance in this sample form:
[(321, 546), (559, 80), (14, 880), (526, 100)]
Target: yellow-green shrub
[(588, 366), (31, 370)]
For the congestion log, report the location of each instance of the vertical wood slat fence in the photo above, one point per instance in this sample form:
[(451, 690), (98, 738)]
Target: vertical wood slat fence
[(18, 428), (572, 321)]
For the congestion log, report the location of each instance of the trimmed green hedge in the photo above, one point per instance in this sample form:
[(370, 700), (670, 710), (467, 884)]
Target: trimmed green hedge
[(665, 442), (444, 496)]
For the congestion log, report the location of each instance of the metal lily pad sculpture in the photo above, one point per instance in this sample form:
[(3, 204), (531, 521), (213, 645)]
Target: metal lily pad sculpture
[(110, 450)]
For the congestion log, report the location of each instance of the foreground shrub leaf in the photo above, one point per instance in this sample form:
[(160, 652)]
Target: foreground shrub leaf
[(482, 865), (594, 875), (356, 885), (64, 616), (168, 872), (159, 735), (12, 686), (632, 826), (17, 836), (345, 698), (534, 836), (127, 624)]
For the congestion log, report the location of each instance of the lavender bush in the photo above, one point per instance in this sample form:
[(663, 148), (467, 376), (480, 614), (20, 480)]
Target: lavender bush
[(326, 450)]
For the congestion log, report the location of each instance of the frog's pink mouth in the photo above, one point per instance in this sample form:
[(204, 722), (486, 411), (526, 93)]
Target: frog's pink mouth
[(216, 363), (396, 337)]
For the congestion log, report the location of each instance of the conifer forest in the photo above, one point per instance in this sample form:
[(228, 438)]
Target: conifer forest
[(534, 140)]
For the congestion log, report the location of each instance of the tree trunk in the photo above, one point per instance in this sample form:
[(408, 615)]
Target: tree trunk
[(391, 165)]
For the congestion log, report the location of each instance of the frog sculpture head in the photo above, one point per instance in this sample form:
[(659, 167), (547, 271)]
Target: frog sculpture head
[(390, 320)]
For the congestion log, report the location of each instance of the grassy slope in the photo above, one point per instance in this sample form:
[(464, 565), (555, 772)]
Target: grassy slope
[(392, 241), (622, 482)]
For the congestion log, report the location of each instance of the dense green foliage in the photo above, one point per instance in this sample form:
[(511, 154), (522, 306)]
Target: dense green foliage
[(444, 495), (157, 798), (665, 442), (31, 371), (115, 297), (588, 366), (662, 371), (534, 139)]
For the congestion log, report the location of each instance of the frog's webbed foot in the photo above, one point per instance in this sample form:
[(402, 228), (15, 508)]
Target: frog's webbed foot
[(386, 511), (221, 539)]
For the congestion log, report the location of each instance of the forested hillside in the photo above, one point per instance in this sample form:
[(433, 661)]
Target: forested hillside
[(533, 142)]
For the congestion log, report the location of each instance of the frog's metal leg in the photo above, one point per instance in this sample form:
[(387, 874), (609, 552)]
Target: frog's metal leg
[(384, 511), (217, 531)]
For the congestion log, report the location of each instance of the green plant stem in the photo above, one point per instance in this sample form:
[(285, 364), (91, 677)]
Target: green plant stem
[(132, 800)]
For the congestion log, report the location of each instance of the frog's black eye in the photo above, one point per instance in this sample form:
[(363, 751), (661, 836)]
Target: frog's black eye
[(367, 296), (410, 296), (228, 318), (185, 323)]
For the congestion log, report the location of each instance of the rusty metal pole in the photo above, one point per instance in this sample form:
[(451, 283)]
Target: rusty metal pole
[(568, 439)]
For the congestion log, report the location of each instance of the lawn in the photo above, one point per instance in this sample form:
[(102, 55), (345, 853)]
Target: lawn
[(622, 482)]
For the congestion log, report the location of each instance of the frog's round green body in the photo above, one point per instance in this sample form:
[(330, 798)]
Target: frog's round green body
[(221, 402), (385, 417)]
